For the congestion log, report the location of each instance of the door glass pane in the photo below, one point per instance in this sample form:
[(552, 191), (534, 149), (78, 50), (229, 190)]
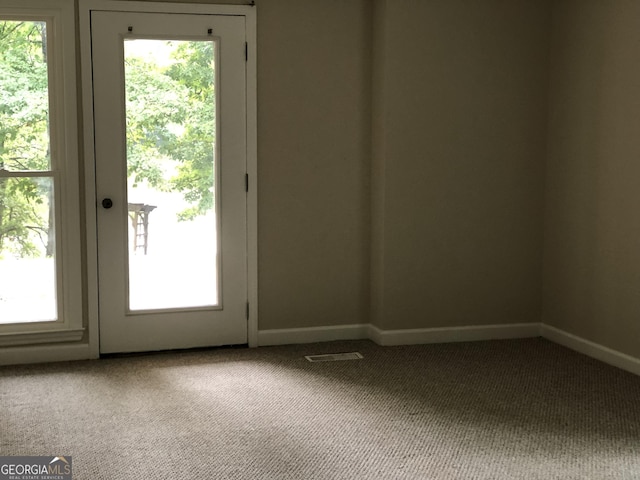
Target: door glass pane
[(24, 96), (171, 165), (27, 250)]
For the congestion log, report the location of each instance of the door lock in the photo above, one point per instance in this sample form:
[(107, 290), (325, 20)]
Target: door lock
[(107, 203)]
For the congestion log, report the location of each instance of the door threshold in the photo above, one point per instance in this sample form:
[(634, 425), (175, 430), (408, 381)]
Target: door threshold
[(173, 351)]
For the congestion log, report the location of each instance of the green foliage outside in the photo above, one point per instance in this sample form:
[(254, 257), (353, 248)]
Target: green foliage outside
[(170, 108), (171, 120), (24, 138)]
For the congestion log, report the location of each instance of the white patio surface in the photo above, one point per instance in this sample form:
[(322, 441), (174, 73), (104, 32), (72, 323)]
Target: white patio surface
[(178, 271)]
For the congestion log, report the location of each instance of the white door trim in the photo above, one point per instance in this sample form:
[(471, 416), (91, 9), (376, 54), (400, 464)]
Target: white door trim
[(249, 12)]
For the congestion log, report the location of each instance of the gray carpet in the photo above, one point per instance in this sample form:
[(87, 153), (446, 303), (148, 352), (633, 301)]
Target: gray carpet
[(513, 409)]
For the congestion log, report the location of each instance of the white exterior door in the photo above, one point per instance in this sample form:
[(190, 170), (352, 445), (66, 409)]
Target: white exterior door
[(171, 160)]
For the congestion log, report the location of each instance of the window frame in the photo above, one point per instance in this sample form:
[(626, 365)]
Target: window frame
[(64, 172)]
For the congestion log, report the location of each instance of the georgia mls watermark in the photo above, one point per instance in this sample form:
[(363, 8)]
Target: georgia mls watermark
[(35, 468)]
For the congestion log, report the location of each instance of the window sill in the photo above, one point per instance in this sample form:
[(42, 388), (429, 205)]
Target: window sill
[(33, 338)]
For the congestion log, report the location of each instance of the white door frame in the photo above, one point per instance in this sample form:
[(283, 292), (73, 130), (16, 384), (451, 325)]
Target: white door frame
[(249, 12)]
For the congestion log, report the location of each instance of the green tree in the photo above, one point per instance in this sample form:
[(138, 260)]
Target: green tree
[(24, 137), (170, 130), (171, 117), (195, 149)]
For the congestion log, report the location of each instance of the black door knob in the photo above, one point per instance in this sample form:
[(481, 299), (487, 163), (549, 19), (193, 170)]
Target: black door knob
[(107, 203)]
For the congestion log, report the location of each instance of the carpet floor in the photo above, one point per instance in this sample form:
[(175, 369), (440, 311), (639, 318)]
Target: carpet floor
[(509, 409)]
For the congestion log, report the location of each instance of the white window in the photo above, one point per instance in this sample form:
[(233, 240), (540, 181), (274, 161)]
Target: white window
[(40, 253)]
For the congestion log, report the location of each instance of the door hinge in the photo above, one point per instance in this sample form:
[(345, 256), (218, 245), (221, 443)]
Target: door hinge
[(246, 182), (247, 310), (246, 51)]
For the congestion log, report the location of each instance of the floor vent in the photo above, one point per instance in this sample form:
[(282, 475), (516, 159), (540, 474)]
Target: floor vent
[(334, 357)]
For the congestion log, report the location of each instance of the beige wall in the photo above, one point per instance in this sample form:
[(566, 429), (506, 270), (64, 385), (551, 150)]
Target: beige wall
[(458, 93), (592, 234), (460, 118), (379, 75), (313, 162)]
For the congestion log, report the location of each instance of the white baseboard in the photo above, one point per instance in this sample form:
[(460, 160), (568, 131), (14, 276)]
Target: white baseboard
[(396, 337), (591, 349), (287, 336), (453, 334), (45, 353), (60, 353)]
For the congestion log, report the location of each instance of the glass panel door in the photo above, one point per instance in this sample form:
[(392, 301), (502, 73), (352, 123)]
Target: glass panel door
[(169, 103)]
